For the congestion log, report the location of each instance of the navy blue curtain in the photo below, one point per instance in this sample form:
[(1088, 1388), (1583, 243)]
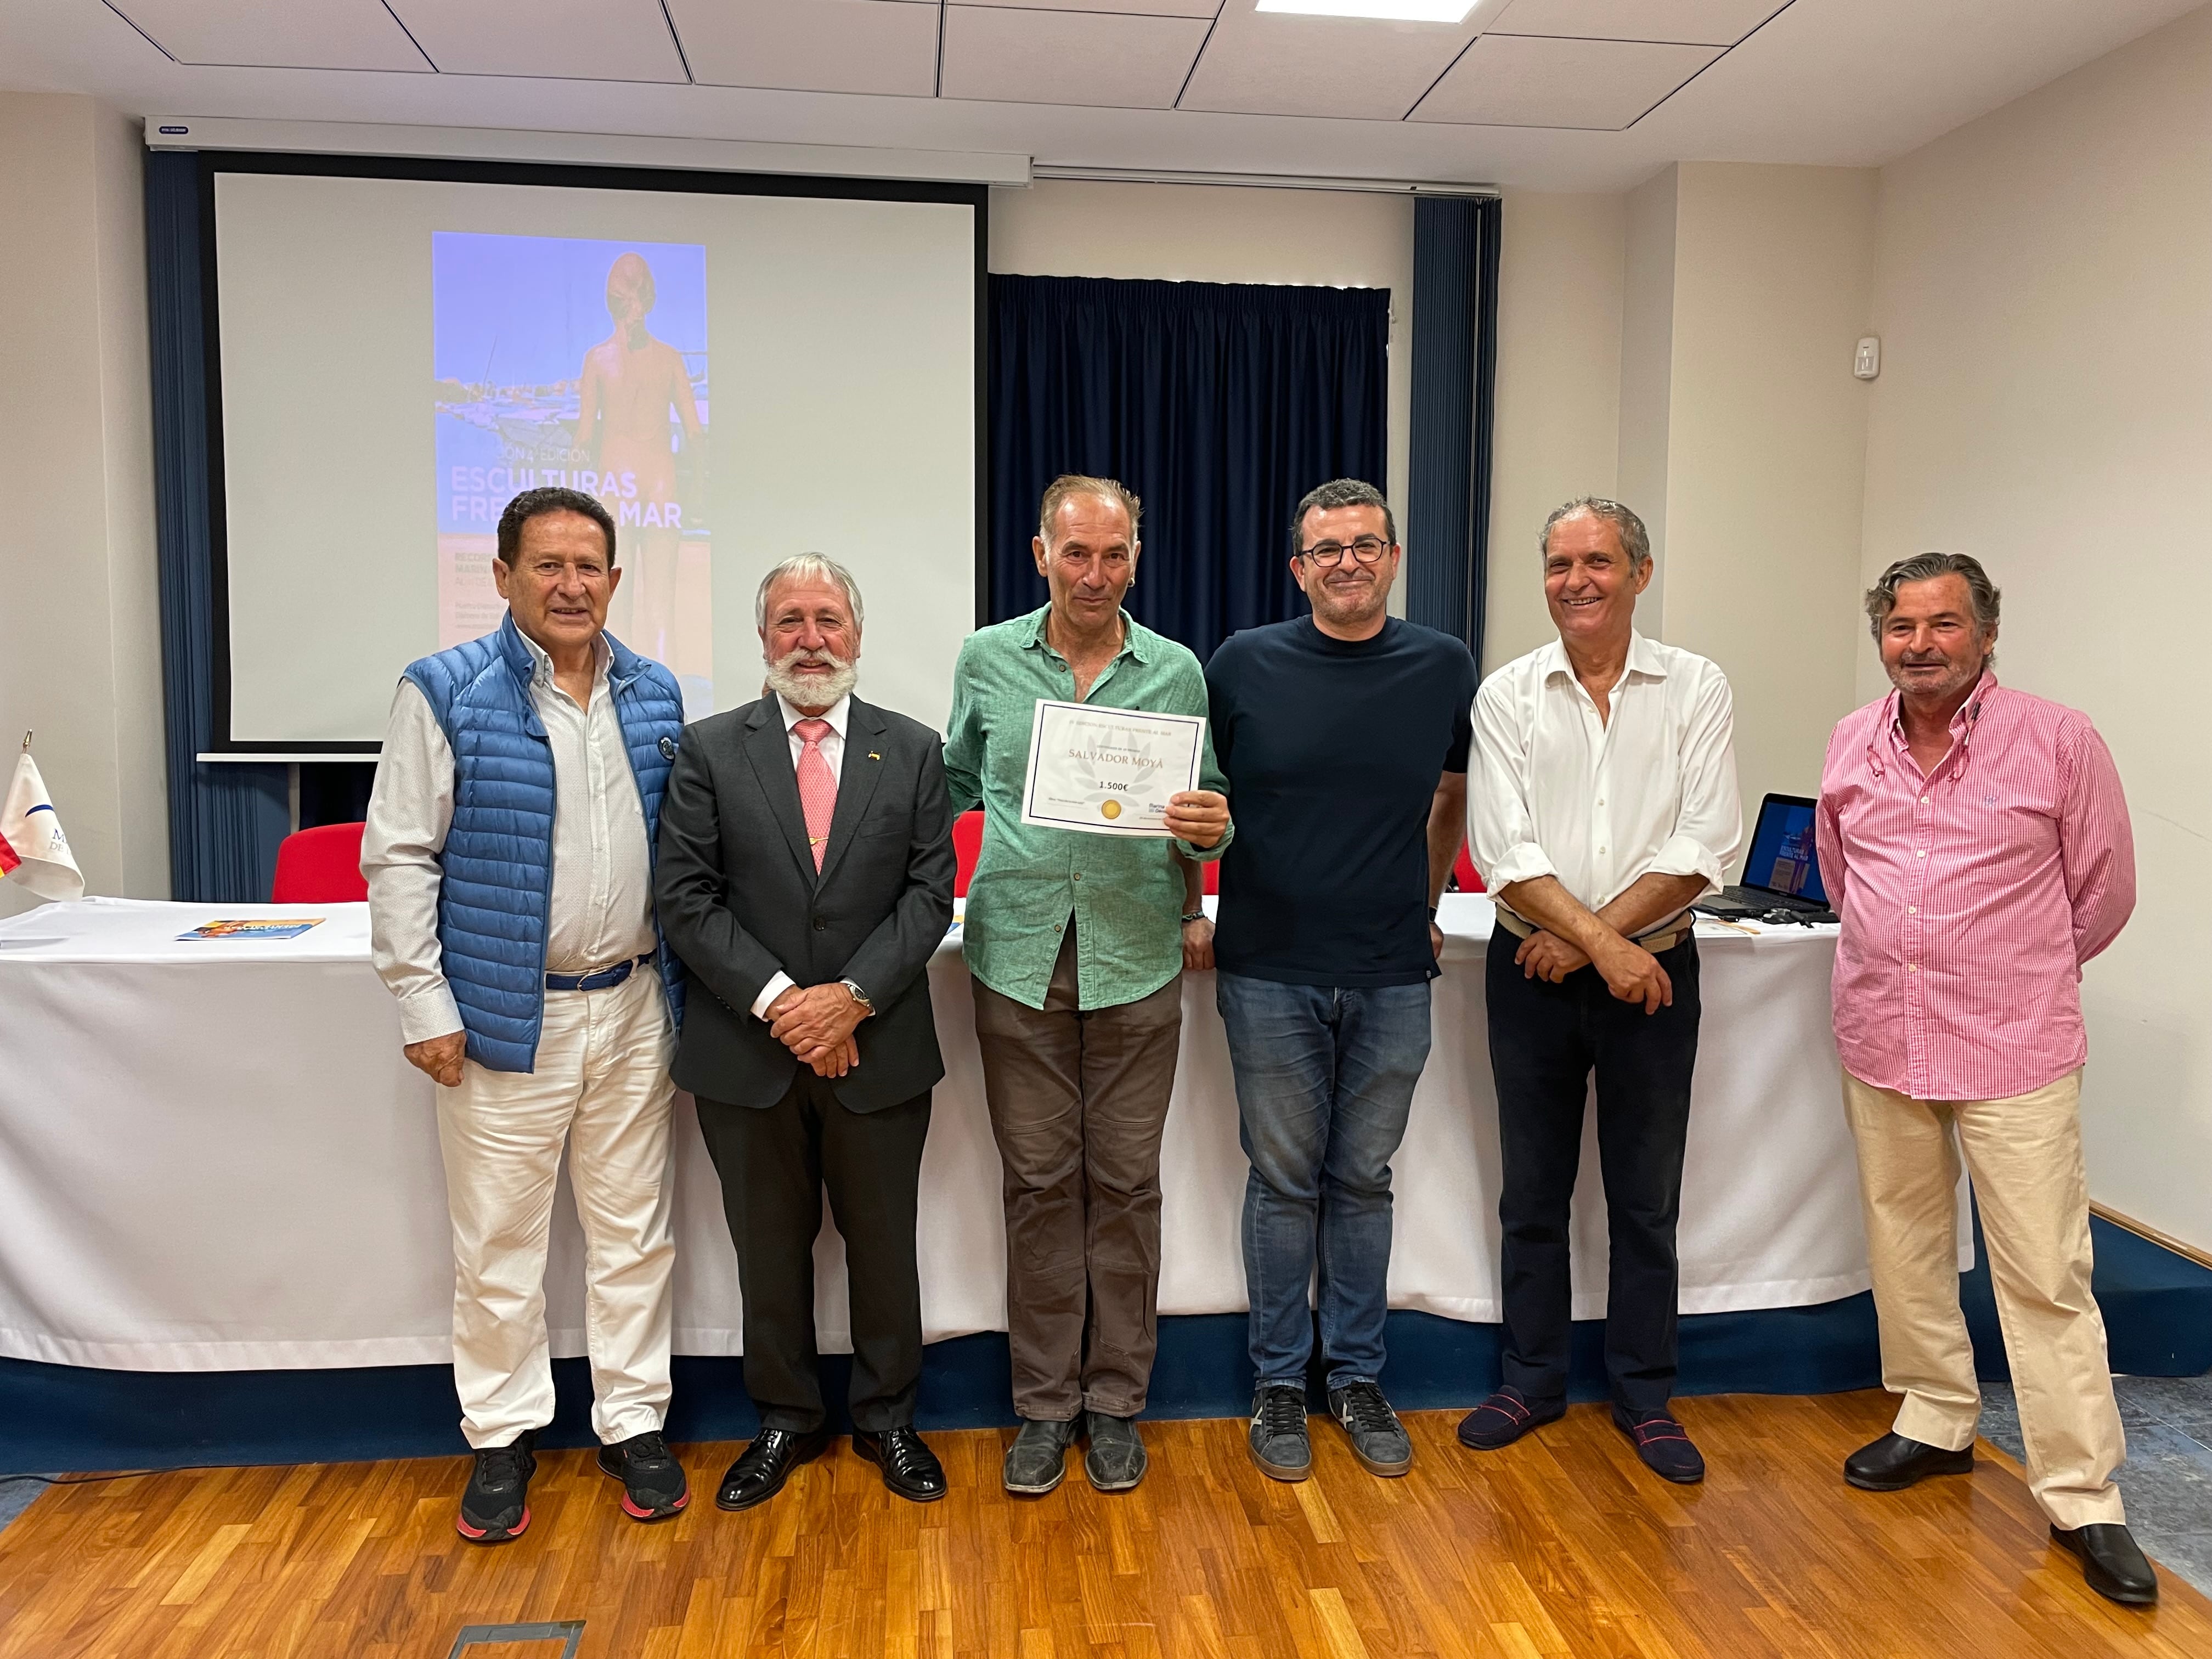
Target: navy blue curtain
[(224, 820), (1219, 404), (1456, 249)]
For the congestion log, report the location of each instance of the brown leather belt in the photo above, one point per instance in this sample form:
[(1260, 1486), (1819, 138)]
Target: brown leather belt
[(1673, 934)]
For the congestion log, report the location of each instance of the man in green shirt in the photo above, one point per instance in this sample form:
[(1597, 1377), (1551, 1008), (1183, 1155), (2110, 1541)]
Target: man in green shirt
[(1075, 944)]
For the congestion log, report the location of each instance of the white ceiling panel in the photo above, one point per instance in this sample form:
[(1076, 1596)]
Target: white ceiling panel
[(1283, 64), (1699, 22), (1522, 81), (347, 34), (1125, 7), (1014, 57), (887, 46), (563, 39)]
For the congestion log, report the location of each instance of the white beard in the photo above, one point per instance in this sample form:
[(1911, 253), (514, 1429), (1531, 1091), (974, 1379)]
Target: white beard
[(812, 690)]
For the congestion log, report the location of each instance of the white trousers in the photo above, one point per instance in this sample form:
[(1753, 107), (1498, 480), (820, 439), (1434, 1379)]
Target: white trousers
[(2025, 1154), (601, 1088)]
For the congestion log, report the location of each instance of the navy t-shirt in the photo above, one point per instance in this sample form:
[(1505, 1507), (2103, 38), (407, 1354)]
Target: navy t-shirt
[(1332, 749)]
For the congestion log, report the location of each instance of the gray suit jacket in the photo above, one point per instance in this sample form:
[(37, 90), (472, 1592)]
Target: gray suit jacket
[(739, 900)]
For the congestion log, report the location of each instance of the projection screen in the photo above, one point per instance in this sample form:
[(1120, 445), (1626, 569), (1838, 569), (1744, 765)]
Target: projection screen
[(739, 374)]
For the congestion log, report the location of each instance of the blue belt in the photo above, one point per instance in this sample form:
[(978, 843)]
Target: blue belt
[(599, 979)]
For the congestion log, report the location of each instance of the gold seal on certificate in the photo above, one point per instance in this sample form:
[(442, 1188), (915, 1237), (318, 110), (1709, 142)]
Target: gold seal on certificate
[(1109, 771)]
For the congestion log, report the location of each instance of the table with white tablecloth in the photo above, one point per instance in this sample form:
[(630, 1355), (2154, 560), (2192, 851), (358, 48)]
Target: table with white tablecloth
[(213, 1157)]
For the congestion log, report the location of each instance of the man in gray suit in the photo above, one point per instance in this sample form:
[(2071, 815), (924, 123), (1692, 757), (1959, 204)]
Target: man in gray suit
[(806, 879)]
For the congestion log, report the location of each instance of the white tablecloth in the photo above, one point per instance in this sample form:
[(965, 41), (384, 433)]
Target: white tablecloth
[(212, 1156)]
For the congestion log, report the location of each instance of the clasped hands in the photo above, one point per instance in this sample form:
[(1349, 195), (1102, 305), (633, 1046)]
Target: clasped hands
[(815, 1024), (1632, 973)]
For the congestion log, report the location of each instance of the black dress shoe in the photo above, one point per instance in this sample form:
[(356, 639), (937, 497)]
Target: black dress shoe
[(1664, 1443), (1893, 1463), (764, 1467), (910, 1469), (1503, 1418), (2115, 1568)]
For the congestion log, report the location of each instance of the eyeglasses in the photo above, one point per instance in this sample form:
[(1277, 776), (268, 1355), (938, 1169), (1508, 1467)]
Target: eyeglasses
[(1368, 550)]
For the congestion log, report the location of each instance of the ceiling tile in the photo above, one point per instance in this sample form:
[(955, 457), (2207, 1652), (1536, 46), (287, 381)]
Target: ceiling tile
[(1284, 64), (886, 47), (1700, 23), (1520, 80), (353, 34), (1067, 57), (561, 39), (1124, 8)]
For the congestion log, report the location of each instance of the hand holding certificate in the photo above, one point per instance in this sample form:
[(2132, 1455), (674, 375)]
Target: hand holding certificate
[(1111, 771)]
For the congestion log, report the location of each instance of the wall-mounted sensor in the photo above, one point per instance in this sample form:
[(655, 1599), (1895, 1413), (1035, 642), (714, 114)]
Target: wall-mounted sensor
[(1865, 361)]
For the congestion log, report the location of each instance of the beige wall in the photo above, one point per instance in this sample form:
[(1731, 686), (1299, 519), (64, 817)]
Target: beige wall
[(1205, 233), (1556, 432), (2044, 296), (1766, 451), (80, 638), (1687, 347), (1647, 372)]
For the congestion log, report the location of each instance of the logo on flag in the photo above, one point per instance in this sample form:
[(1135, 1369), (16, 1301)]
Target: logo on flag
[(32, 848)]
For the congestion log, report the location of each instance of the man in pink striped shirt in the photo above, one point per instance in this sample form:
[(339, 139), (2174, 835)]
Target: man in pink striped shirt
[(1975, 841)]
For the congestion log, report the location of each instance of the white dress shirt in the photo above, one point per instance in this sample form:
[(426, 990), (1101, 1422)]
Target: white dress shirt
[(599, 911), (1556, 791), (833, 750)]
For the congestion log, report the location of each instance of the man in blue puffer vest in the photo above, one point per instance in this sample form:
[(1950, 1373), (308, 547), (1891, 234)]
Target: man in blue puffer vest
[(509, 855)]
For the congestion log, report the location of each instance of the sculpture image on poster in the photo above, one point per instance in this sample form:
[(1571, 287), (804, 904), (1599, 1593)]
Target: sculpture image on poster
[(583, 363)]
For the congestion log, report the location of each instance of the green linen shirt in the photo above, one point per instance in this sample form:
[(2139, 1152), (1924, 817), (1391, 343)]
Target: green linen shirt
[(1125, 892)]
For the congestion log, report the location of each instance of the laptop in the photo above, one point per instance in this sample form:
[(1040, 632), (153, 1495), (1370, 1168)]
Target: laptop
[(1782, 872)]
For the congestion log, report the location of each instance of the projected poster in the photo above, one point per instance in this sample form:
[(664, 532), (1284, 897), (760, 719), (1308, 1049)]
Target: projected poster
[(564, 360)]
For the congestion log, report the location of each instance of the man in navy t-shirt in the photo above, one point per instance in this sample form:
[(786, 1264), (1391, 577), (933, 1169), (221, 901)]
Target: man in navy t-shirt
[(1344, 736)]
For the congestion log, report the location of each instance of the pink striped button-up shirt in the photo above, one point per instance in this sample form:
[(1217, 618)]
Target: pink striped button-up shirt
[(1970, 899)]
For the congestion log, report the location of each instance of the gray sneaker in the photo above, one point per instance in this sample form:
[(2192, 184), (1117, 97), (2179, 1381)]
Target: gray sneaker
[(1116, 1459), (1038, 1458), (1278, 1437), (1378, 1439)]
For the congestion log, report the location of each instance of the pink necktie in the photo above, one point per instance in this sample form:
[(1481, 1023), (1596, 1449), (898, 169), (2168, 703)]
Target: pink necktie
[(817, 787)]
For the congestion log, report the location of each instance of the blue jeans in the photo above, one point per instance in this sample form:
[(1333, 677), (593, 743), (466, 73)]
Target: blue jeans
[(1325, 1079)]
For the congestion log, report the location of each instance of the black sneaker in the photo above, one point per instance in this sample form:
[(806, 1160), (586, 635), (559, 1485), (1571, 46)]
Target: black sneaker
[(495, 1506), (1277, 1438), (1378, 1439), (653, 1487)]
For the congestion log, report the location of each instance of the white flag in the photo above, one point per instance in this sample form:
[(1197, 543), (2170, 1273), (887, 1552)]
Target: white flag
[(33, 849)]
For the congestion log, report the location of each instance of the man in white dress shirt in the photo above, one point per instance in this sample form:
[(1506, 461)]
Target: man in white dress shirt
[(509, 855), (1603, 802)]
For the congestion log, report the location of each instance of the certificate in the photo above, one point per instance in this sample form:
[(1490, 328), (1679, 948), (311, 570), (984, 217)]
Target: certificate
[(1109, 771)]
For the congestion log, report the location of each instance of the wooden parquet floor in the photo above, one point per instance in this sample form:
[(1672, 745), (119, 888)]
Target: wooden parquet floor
[(1562, 1545)]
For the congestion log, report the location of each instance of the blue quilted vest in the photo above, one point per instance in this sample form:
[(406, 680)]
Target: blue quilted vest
[(498, 858)]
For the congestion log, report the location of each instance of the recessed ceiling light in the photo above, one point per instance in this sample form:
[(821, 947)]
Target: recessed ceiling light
[(1395, 11)]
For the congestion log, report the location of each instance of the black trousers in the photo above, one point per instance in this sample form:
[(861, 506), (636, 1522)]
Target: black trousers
[(773, 1165), (1545, 1040)]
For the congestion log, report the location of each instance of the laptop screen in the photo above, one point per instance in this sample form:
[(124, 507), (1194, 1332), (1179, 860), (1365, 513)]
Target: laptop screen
[(1781, 857)]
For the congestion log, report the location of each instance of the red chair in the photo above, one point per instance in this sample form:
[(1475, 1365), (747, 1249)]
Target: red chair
[(968, 846), (320, 866), (1463, 872)]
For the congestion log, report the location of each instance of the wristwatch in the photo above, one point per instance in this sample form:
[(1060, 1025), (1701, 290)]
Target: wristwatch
[(1194, 915), (859, 996)]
